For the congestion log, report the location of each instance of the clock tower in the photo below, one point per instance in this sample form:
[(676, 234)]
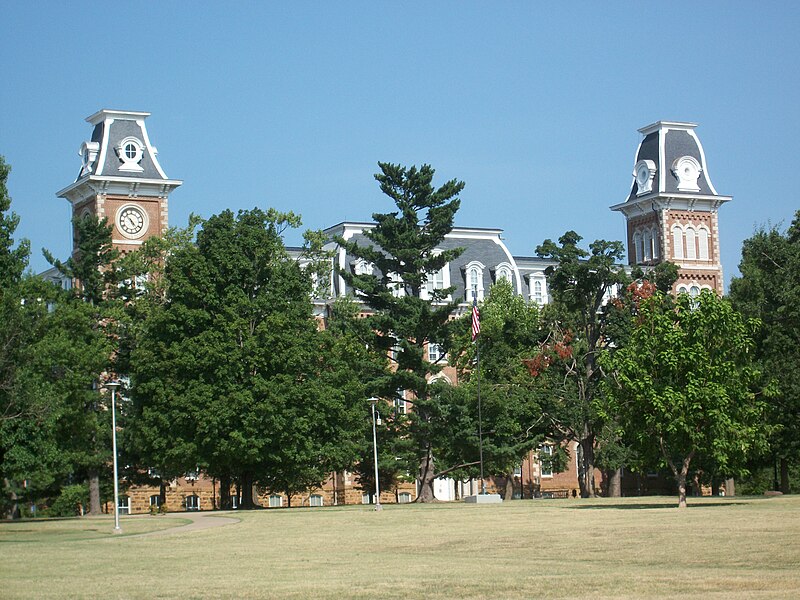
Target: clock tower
[(121, 180), (671, 210)]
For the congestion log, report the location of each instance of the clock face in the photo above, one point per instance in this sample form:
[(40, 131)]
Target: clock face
[(131, 221)]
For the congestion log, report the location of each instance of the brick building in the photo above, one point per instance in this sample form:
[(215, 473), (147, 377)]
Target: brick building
[(670, 211)]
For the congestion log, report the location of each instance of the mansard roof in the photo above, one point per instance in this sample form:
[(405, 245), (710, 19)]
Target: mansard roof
[(672, 154), (119, 158)]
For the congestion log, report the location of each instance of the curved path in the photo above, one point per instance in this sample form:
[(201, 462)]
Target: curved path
[(200, 521)]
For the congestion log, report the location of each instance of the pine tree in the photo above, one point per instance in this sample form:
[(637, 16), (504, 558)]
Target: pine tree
[(407, 312)]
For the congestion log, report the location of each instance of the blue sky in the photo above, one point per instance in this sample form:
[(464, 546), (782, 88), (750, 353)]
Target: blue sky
[(536, 106)]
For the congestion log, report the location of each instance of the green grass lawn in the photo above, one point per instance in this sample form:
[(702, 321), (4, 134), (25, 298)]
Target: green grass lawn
[(606, 548)]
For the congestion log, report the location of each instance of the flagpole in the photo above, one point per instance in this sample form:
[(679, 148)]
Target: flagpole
[(475, 332)]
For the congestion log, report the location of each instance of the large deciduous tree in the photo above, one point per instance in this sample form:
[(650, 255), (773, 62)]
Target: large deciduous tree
[(683, 386), (580, 283), (408, 312), (511, 402), (232, 373), (769, 290)]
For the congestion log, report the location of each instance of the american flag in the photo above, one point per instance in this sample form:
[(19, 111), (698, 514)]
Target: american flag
[(476, 319)]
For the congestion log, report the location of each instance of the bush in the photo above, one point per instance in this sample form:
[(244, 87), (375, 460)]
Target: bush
[(70, 502)]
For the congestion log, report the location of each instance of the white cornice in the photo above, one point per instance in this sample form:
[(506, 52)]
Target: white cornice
[(124, 186), (646, 204), (105, 113)]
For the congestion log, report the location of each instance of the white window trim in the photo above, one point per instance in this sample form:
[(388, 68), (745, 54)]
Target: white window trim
[(313, 498), (196, 504), (273, 504), (477, 267), (124, 505), (545, 449)]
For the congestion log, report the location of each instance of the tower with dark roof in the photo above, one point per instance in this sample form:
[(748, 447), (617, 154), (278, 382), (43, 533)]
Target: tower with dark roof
[(671, 210), (121, 179)]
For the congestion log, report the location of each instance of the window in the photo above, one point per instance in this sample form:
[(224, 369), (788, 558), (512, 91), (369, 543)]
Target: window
[(436, 281), (234, 501), (275, 501), (130, 151), (404, 498), (518, 471), (473, 280), (691, 245), (397, 286), (545, 461), (656, 244), (537, 285), (435, 353), (694, 291), (702, 242), (155, 500), (315, 500), (648, 245), (124, 505), (366, 498), (677, 242), (362, 267), (503, 271), (193, 502), (639, 246), (400, 407)]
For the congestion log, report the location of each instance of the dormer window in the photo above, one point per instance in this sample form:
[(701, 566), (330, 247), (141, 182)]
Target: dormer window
[(130, 152), (687, 170), (503, 271), (473, 280)]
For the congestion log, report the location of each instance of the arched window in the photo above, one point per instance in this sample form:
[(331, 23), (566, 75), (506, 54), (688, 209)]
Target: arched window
[(473, 280), (656, 244), (694, 291), (691, 244), (503, 271), (193, 502), (648, 245), (538, 292), (638, 246), (677, 242), (702, 243)]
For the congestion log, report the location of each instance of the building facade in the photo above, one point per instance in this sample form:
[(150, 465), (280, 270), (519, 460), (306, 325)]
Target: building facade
[(670, 212)]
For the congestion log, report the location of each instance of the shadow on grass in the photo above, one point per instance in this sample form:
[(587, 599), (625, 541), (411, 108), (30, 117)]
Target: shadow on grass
[(649, 505)]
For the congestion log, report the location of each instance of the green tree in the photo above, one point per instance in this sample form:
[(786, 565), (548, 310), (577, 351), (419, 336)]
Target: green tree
[(580, 284), (407, 311), (93, 305), (232, 373), (511, 402), (682, 387), (769, 290)]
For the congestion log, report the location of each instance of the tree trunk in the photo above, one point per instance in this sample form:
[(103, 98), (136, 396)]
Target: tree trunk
[(162, 494), (426, 478), (13, 512), (784, 475), (247, 491), (225, 492), (681, 480), (615, 483), (697, 488), (94, 494), (715, 486), (508, 491), (730, 487), (586, 465)]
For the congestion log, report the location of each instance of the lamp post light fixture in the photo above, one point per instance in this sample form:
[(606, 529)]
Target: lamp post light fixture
[(113, 386), (376, 420)]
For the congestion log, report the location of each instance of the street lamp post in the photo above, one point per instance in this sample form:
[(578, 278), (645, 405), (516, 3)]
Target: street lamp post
[(113, 385), (375, 421)]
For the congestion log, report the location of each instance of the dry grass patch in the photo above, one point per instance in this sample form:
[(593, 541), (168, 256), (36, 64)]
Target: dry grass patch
[(630, 548)]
